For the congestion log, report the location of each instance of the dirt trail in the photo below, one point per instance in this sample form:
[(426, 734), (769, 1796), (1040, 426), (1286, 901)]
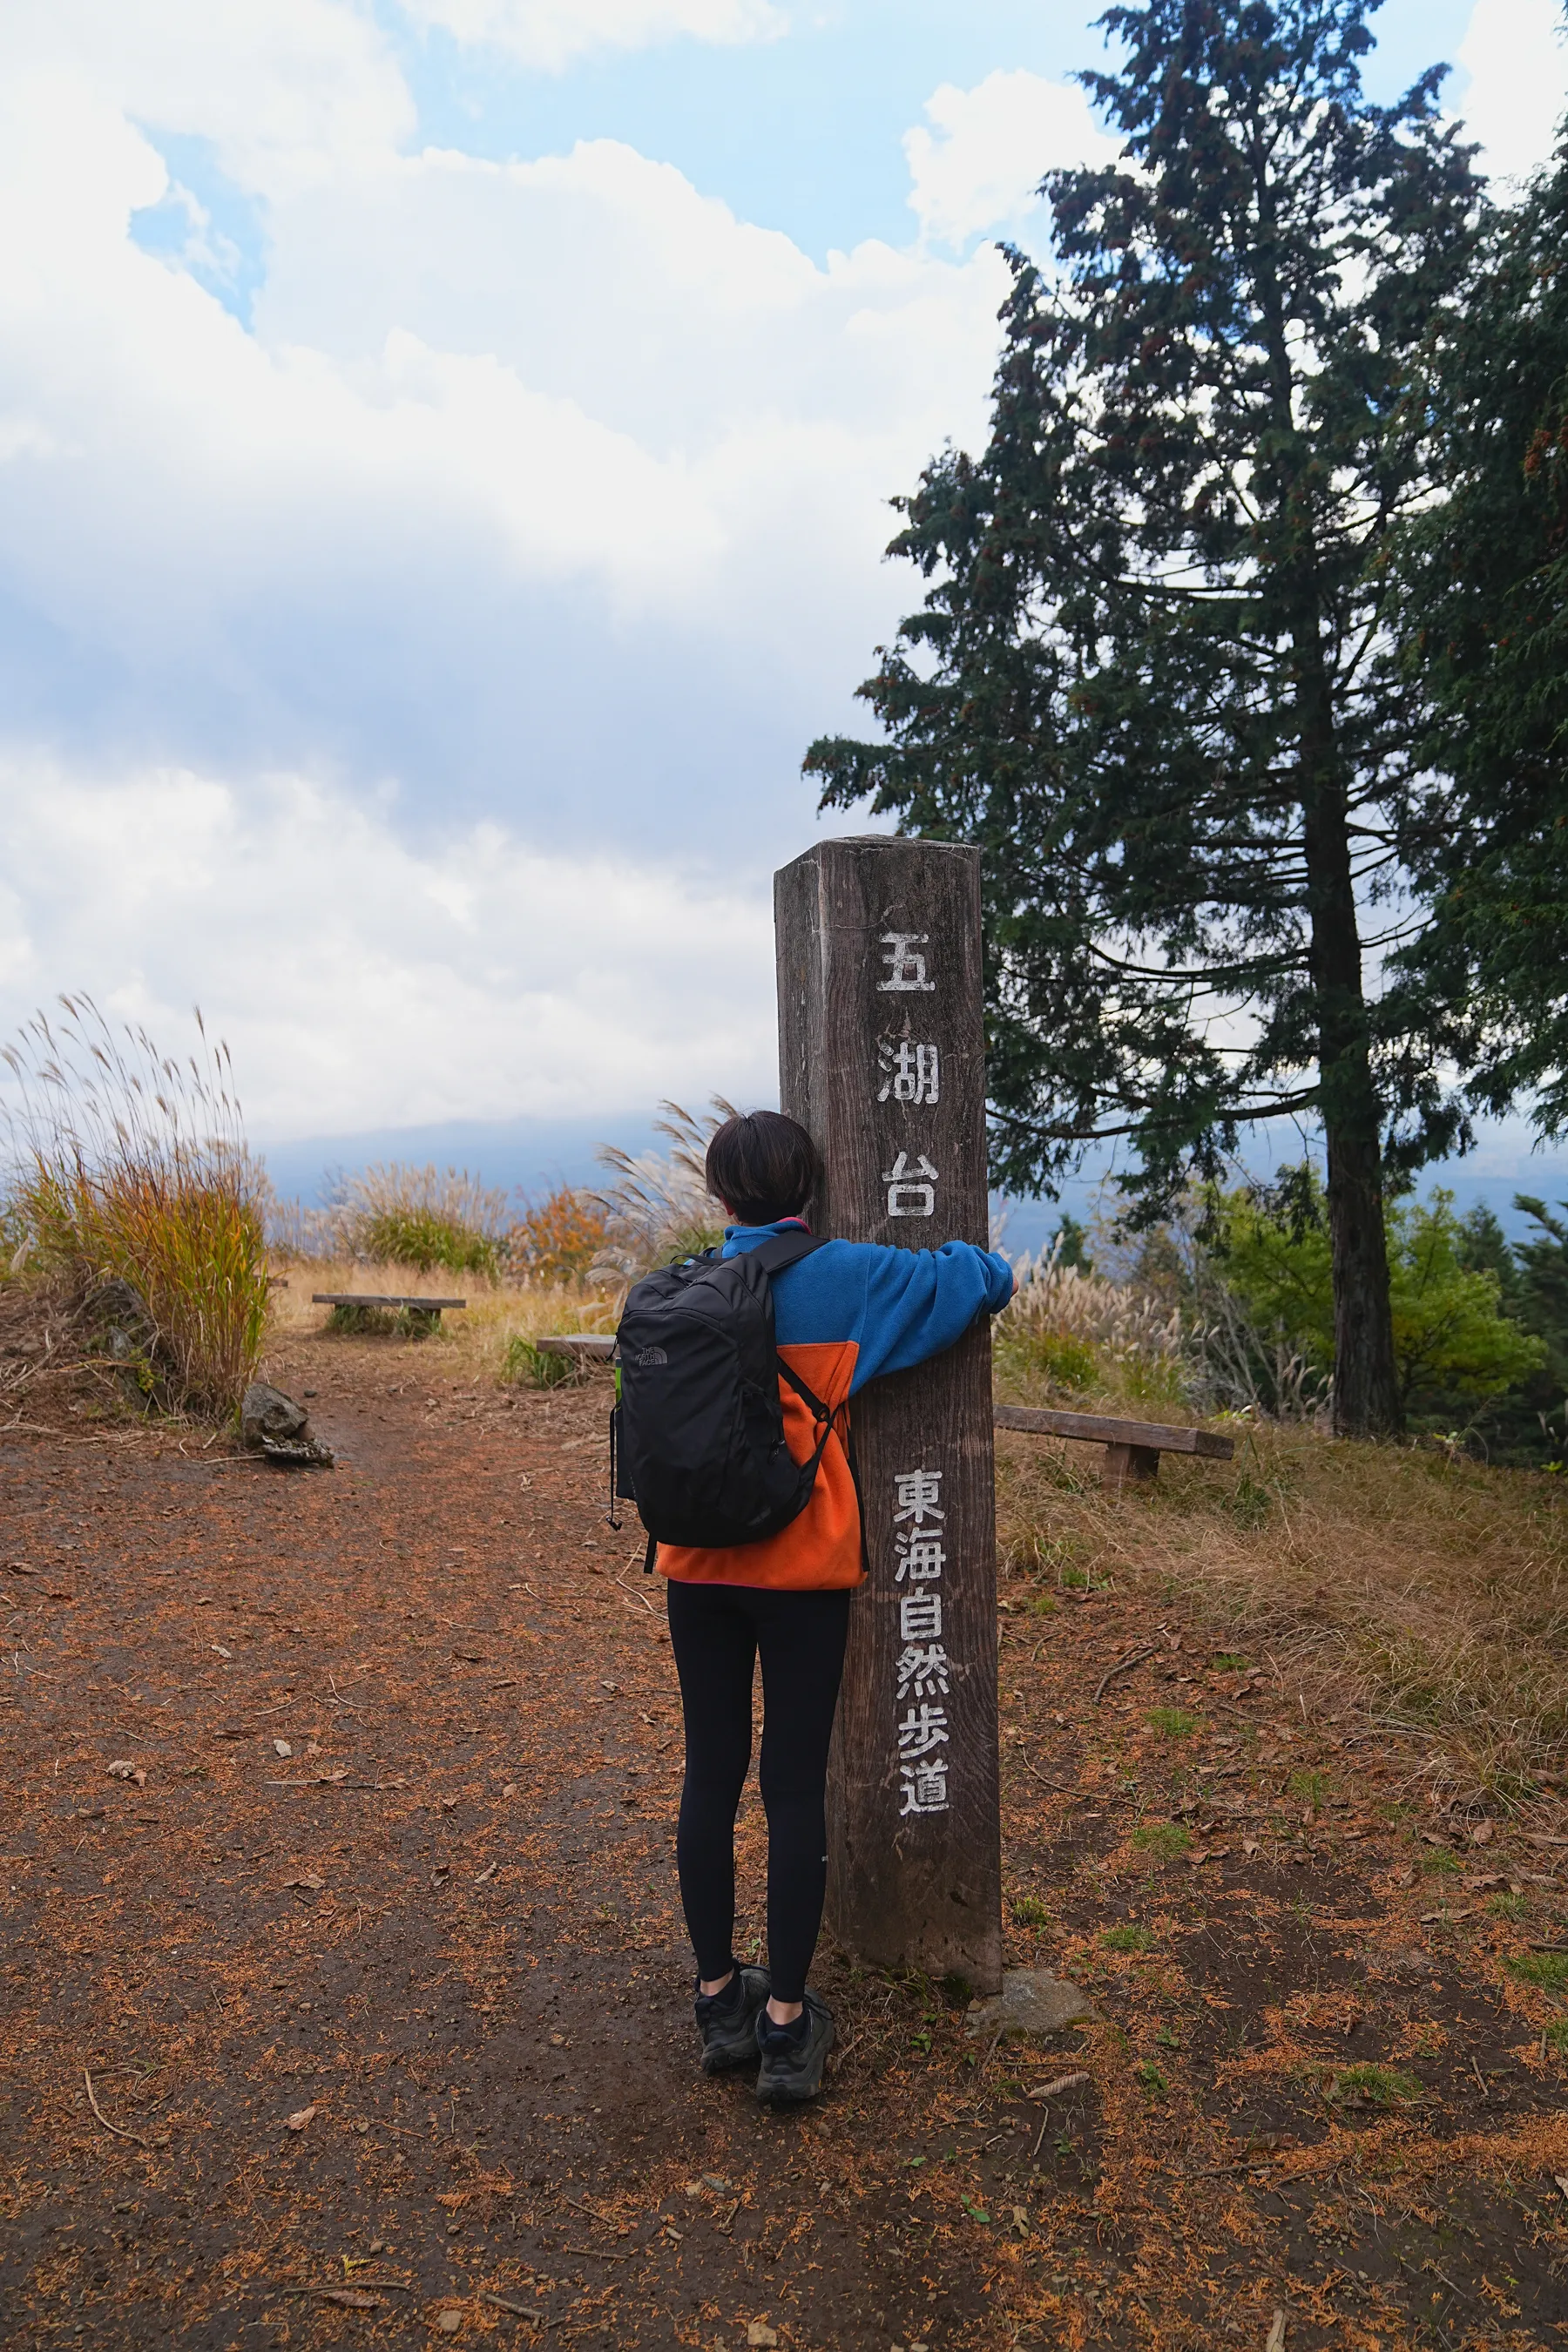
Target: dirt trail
[(379, 1983)]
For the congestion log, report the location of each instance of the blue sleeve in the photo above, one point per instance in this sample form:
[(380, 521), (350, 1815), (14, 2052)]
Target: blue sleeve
[(917, 1302)]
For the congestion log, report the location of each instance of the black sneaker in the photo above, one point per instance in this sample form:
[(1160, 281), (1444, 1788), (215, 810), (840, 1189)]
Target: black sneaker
[(727, 2021), (794, 2056)]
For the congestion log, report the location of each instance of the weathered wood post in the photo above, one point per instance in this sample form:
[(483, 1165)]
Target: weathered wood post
[(882, 1056)]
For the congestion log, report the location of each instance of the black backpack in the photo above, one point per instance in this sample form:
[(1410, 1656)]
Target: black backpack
[(696, 1436)]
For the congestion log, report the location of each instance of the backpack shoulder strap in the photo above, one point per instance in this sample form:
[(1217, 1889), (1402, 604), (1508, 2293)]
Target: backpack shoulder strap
[(772, 1256)]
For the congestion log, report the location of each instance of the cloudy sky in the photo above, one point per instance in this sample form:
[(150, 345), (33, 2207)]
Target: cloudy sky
[(444, 456)]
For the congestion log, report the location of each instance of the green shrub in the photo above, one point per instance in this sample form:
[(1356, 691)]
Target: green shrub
[(1126, 1939), (394, 1214), (1171, 1722), (1030, 1911), (530, 1367), (1453, 1342), (414, 1236)]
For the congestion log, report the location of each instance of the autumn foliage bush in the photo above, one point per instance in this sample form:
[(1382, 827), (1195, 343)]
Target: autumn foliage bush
[(559, 1237)]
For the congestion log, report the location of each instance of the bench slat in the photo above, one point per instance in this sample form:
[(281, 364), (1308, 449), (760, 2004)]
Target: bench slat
[(576, 1343), (1104, 1430), (374, 1298)]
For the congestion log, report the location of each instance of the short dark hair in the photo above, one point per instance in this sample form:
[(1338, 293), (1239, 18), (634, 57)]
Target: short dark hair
[(763, 1166)]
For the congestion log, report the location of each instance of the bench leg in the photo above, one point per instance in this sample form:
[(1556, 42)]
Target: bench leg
[(1130, 1465)]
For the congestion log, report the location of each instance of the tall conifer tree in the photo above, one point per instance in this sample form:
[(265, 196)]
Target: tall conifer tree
[(1152, 676), (1485, 608)]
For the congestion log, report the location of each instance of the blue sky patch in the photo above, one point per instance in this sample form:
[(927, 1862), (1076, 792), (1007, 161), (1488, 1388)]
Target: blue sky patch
[(204, 225)]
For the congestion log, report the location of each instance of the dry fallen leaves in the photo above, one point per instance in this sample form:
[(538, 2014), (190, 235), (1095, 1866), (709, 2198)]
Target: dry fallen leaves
[(760, 2336), (308, 1879), (298, 2119), (123, 1770)]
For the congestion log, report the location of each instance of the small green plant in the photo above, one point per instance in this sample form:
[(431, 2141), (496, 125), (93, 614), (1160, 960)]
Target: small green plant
[(1508, 1905), (1127, 1939), (1171, 1722), (1549, 1971), (1440, 1864), (1058, 1357), (527, 1366), (1075, 1579), (921, 2041), (1031, 1911), (1310, 1787), (1152, 2080), (1164, 1841), (1250, 1504), (1557, 2037), (1369, 2085), (1228, 1663), (1042, 1604)]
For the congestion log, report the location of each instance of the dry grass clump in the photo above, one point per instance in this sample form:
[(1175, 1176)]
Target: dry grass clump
[(1076, 1335), (128, 1168), (658, 1207), (1430, 1590)]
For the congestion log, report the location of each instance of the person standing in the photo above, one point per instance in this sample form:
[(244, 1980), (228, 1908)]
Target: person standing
[(844, 1313)]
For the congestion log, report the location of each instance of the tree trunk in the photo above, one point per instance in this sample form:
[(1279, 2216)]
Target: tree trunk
[(1366, 1384)]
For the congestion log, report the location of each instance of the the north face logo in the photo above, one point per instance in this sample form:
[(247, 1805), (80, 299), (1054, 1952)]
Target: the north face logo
[(652, 1356)]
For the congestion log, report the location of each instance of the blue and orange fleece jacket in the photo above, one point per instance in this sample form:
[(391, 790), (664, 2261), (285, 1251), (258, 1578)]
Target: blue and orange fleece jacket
[(846, 1313)]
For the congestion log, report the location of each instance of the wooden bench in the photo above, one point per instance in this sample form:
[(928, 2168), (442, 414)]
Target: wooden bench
[(585, 1346), (423, 1314), (1133, 1448)]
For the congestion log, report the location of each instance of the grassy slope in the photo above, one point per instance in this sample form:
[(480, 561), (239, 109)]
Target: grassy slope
[(1429, 1588)]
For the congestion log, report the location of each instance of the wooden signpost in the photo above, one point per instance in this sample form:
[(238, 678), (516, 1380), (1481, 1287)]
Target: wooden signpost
[(882, 1056)]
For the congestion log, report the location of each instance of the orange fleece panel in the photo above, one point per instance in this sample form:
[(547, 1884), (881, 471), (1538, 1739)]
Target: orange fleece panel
[(820, 1550)]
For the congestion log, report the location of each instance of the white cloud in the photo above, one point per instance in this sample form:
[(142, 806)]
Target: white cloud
[(551, 34), (435, 417), (362, 981), (390, 676), (1516, 56), (281, 89), (988, 148)]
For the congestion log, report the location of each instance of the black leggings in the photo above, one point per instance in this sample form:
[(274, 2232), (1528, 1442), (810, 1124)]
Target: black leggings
[(716, 1631)]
